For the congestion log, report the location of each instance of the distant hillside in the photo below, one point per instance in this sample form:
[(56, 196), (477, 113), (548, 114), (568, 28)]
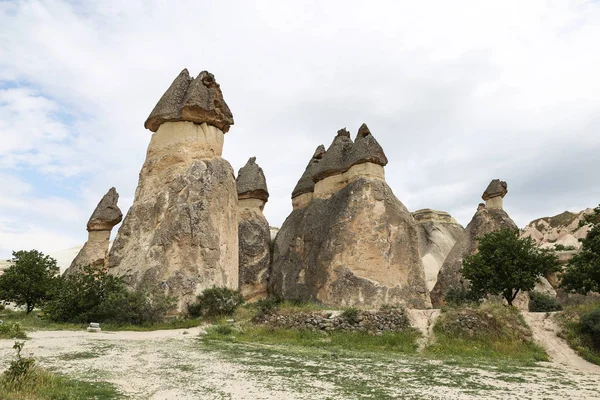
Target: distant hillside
[(562, 229)]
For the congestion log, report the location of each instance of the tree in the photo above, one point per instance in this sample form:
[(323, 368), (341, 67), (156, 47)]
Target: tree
[(30, 280), (507, 264), (582, 275)]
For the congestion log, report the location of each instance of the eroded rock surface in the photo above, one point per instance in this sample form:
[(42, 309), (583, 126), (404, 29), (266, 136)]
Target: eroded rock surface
[(253, 232), (438, 232), (484, 221), (94, 252), (352, 242), (562, 229), (196, 100), (181, 233)]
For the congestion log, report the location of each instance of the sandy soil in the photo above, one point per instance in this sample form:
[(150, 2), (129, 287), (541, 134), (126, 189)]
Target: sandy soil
[(545, 331), (177, 364)]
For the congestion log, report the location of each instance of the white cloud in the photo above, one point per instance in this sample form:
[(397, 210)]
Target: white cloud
[(456, 93)]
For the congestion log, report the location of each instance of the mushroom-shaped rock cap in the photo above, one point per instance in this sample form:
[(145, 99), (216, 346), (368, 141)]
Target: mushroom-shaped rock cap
[(366, 149), (496, 188), (335, 159), (251, 182), (196, 100), (107, 214), (306, 184)]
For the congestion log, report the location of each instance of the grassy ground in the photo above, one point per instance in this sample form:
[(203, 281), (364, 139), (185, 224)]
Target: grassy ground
[(501, 334), (568, 320), (34, 322), (397, 342), (41, 385)]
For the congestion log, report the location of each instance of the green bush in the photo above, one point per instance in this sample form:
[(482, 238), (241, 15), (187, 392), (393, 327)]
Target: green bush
[(460, 296), (216, 301), (93, 295), (11, 331), (540, 302), (20, 368), (350, 315), (590, 325)]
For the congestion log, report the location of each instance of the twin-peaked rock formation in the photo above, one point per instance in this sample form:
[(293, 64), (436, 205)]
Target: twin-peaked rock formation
[(181, 233), (488, 218), (95, 251), (349, 240), (438, 234), (253, 231)]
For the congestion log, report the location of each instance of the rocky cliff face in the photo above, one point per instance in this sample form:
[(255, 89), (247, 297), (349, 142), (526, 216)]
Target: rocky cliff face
[(95, 251), (438, 232), (350, 241), (181, 233), (253, 232), (562, 229), (488, 218)]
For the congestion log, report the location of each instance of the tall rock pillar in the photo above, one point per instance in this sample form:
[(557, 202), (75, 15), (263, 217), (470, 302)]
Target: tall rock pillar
[(253, 231), (348, 241), (95, 251), (181, 232)]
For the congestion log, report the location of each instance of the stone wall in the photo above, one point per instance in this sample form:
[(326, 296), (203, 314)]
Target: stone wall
[(373, 322)]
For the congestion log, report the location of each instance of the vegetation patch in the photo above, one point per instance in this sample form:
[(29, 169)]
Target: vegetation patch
[(12, 331), (540, 302), (581, 329), (398, 342), (24, 380), (490, 331)]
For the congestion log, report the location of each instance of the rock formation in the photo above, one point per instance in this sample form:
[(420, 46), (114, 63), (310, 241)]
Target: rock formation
[(253, 231), (95, 251), (349, 240), (438, 232), (181, 233), (487, 219), (562, 229)]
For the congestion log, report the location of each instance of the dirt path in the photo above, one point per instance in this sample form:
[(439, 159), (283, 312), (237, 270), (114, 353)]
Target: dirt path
[(177, 364), (545, 332), (423, 320)]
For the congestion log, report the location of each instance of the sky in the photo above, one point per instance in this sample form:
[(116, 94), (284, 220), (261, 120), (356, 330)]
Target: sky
[(457, 94)]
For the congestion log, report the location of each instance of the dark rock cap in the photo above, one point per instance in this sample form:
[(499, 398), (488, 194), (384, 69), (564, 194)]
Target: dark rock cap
[(335, 159), (196, 100), (366, 149), (107, 214), (344, 154), (306, 184), (251, 182), (496, 188)]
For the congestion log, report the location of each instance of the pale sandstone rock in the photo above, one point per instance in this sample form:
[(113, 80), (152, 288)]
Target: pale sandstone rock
[(253, 232), (353, 242), (484, 221), (181, 233), (95, 251), (438, 232)]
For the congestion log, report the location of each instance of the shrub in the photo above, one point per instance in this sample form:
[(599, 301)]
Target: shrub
[(20, 368), (540, 302), (93, 295), (458, 297), (11, 331), (350, 315), (590, 325), (216, 301)]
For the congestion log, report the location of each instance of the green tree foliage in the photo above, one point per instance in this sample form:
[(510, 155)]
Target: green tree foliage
[(93, 295), (507, 264), (216, 301), (582, 275), (30, 280)]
